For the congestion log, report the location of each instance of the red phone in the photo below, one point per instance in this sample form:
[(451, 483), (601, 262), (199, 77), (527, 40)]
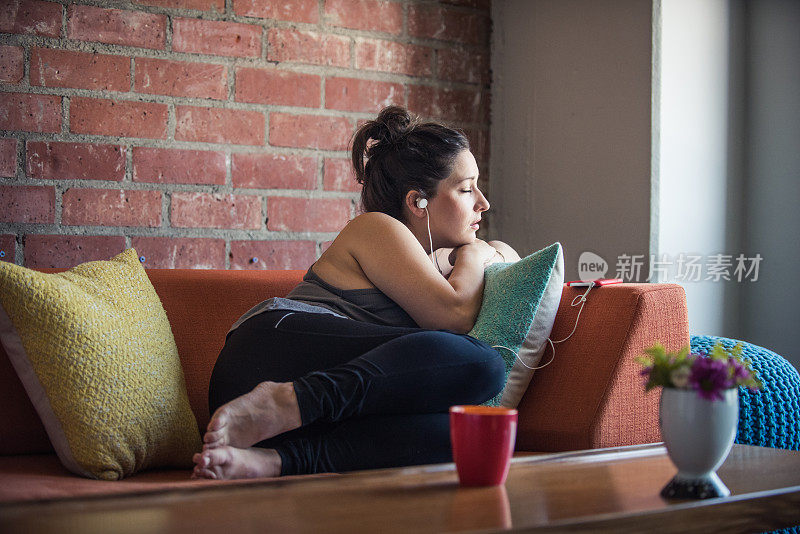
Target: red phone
[(595, 283)]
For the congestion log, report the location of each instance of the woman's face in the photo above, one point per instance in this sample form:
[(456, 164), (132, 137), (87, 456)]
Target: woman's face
[(456, 209)]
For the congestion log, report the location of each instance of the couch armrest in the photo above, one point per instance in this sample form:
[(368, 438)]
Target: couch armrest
[(592, 394)]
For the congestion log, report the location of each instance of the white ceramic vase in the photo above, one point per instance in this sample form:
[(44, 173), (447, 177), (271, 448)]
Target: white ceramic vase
[(698, 434)]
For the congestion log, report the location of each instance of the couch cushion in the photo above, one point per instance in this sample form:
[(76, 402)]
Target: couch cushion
[(95, 352), (201, 306)]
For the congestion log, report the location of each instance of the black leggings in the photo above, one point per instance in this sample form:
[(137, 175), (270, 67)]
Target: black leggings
[(370, 396)]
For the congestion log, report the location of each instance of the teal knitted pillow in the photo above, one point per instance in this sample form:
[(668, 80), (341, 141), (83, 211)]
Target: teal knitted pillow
[(520, 301)]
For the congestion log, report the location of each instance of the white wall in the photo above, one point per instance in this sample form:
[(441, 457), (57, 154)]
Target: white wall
[(571, 124), (771, 198), (693, 149)]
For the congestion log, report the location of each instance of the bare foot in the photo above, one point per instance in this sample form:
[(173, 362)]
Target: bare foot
[(270, 409), (224, 463)]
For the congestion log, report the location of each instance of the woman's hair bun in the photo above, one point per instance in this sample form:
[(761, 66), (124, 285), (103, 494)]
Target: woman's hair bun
[(390, 128), (392, 124), (396, 152)]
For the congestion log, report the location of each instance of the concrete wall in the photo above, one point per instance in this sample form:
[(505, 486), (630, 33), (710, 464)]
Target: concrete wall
[(571, 123), (771, 218), (583, 102)]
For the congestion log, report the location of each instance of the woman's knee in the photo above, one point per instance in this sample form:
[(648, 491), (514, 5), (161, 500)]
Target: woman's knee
[(489, 368), (495, 373)]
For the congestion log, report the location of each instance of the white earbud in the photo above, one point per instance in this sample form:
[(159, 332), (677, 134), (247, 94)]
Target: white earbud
[(422, 203)]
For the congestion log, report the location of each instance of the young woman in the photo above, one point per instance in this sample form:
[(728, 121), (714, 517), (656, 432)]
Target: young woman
[(358, 366)]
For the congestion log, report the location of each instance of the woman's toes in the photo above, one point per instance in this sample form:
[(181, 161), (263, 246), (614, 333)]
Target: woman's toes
[(206, 473), (214, 457), (213, 439), (218, 420), (230, 462)]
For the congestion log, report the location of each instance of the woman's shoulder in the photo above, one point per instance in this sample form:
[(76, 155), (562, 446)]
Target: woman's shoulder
[(374, 225), (375, 218), (366, 236), (374, 236)]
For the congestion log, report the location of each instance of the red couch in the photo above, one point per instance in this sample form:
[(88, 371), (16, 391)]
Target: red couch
[(590, 396)]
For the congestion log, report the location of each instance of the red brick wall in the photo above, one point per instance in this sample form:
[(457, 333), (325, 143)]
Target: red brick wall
[(213, 133)]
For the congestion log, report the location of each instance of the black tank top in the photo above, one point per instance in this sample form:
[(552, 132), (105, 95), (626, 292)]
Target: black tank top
[(369, 305)]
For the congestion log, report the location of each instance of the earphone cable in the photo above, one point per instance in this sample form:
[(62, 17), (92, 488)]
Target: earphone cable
[(578, 299), (434, 257)]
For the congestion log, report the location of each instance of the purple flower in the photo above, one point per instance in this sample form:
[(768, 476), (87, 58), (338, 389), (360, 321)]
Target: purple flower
[(710, 377), (740, 372)]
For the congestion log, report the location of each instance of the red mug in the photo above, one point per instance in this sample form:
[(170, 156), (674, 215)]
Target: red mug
[(483, 440)]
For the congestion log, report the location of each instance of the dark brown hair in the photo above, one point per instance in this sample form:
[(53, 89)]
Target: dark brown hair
[(396, 153)]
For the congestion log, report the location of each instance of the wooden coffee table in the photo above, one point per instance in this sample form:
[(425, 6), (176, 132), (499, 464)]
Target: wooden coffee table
[(607, 490)]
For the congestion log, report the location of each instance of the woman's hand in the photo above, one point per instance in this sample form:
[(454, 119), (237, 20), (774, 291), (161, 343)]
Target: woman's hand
[(479, 251), (505, 253)]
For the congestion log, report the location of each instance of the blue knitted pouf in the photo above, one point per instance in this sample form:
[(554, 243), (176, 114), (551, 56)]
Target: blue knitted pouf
[(769, 417)]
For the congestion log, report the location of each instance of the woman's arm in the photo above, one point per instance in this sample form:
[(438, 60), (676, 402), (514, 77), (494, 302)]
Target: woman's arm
[(445, 257), (395, 262)]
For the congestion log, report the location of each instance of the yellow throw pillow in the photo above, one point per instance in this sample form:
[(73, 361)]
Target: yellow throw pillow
[(95, 352)]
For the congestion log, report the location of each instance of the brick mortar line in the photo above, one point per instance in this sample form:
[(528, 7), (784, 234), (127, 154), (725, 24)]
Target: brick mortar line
[(228, 168), (166, 210), (322, 25), (314, 70), (168, 33), (172, 122), (264, 45), (266, 129), (144, 98), (321, 13), (127, 177), (234, 63), (58, 207), (168, 187), (228, 11), (136, 142), (69, 136), (64, 18), (234, 234), (132, 143), (321, 174), (66, 108), (19, 171), (264, 213), (98, 47), (26, 66), (132, 75)]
